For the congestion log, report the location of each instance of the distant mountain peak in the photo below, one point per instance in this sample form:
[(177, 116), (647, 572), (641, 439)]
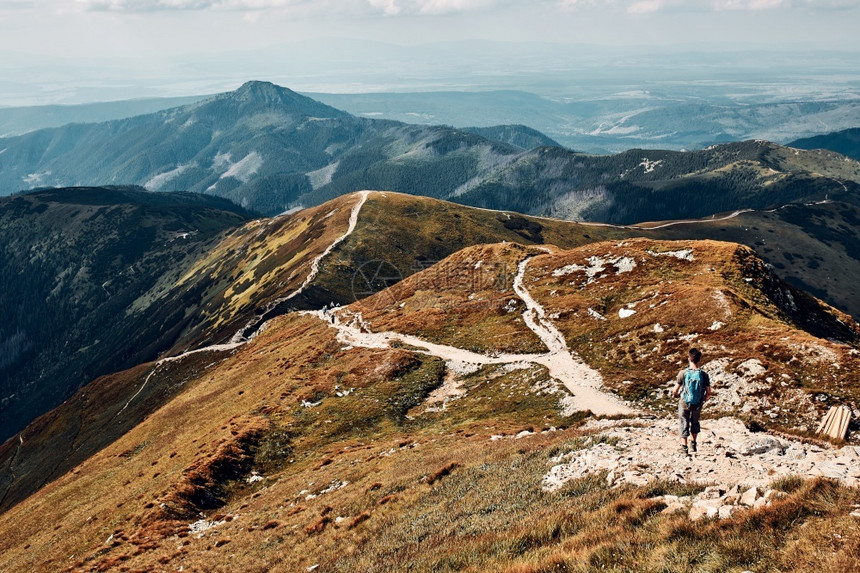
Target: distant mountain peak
[(261, 93), (263, 90)]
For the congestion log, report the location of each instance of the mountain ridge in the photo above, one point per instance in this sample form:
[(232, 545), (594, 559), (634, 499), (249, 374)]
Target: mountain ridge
[(846, 142), (270, 149), (329, 415), (242, 278)]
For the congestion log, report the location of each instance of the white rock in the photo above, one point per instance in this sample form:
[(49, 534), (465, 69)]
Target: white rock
[(726, 511), (850, 452), (712, 492), (761, 445), (795, 452), (774, 494), (677, 507), (749, 497), (698, 512)]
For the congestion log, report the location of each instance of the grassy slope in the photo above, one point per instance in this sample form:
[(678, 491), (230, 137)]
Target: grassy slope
[(209, 299), (466, 300), (724, 301), (367, 481), (814, 247), (269, 258), (396, 236)]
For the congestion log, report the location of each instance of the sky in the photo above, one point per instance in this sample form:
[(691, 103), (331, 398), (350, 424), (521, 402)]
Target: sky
[(67, 50), (94, 27)]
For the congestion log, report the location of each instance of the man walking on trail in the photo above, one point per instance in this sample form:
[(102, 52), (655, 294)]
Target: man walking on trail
[(694, 387)]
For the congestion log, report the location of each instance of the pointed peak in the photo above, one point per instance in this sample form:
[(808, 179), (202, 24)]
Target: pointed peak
[(258, 87), (262, 93)]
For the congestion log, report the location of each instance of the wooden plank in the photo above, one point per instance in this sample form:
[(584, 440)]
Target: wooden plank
[(831, 418), (828, 419), (834, 426), (846, 421), (836, 430), (838, 425), (823, 421)]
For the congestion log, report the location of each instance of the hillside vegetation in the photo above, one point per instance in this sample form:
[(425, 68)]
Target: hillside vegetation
[(161, 276), (319, 444), (846, 142), (172, 302), (74, 262)]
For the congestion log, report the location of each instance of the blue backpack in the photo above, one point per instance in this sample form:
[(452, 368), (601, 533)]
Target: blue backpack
[(694, 387)]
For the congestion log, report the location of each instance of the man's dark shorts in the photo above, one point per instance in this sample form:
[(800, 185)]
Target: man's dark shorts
[(688, 418)]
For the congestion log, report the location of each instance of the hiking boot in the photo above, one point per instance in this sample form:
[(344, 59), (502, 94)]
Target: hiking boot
[(693, 446), (683, 450)]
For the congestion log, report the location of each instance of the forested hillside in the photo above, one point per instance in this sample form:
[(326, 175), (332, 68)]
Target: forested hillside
[(846, 142), (74, 261)]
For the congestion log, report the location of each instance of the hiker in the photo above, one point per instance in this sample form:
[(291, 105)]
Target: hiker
[(693, 386)]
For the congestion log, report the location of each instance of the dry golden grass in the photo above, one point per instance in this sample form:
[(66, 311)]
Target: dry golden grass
[(467, 301), (725, 285), (365, 480)]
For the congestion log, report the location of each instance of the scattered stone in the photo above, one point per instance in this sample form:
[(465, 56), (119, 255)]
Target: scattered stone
[(677, 507), (712, 492), (698, 512), (761, 445), (637, 450), (727, 511), (749, 497)]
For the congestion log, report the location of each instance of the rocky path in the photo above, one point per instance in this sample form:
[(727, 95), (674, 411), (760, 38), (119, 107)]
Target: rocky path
[(580, 380), (240, 335), (637, 451), (239, 338)]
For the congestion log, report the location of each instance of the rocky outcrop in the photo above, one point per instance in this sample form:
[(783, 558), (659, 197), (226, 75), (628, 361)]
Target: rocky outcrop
[(638, 451), (719, 502)]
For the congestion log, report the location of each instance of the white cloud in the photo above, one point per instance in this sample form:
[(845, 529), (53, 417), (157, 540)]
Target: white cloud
[(831, 4), (647, 6), (396, 7), (748, 4), (651, 6), (386, 7), (570, 5), (434, 7), (167, 5)]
